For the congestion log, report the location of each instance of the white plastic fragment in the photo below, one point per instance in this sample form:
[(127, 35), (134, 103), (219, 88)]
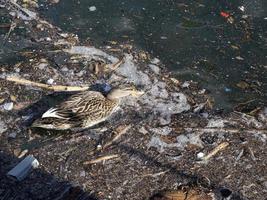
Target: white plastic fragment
[(239, 58), (20, 171), (8, 106), (200, 155), (242, 8), (50, 81), (92, 8)]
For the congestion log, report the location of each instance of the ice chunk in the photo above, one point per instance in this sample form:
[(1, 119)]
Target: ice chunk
[(154, 68), (182, 142), (159, 145), (161, 102), (91, 52), (3, 126), (129, 70), (155, 61), (216, 123), (161, 131), (192, 138)]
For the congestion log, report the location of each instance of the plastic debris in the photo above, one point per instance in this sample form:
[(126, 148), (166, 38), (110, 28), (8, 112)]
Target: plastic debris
[(8, 106), (239, 58), (224, 14), (226, 89), (227, 16), (200, 155), (242, 8), (20, 171), (92, 8), (50, 81)]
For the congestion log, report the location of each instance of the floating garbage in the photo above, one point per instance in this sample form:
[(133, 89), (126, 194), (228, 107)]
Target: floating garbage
[(20, 171), (224, 14), (92, 8)]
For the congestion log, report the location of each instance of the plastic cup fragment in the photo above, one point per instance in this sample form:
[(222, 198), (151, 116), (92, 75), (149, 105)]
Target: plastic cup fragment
[(21, 170)]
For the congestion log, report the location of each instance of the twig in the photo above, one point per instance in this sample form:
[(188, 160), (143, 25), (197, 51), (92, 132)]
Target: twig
[(56, 88), (11, 28), (100, 159), (252, 154), (230, 130), (156, 174), (215, 151), (122, 132), (116, 65)]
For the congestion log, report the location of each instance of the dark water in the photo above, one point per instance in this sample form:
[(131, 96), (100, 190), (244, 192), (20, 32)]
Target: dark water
[(190, 37)]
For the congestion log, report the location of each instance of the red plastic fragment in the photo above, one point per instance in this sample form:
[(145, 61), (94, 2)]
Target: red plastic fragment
[(224, 14)]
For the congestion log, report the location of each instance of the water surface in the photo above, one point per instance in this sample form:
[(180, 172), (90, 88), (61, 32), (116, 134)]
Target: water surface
[(190, 37)]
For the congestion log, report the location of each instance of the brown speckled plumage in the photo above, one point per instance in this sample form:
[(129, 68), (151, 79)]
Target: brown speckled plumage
[(83, 110)]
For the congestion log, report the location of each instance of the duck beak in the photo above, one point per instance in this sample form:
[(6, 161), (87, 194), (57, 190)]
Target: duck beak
[(137, 93)]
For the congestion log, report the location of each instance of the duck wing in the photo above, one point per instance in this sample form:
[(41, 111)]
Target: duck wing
[(76, 106)]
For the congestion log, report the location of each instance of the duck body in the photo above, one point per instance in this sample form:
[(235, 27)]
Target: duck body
[(82, 110)]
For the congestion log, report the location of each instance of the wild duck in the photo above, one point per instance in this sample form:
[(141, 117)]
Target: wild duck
[(84, 109)]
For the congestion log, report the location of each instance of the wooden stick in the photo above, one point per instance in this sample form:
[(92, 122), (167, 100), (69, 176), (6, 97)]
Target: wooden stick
[(100, 159), (56, 88), (116, 65), (215, 151), (230, 130)]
